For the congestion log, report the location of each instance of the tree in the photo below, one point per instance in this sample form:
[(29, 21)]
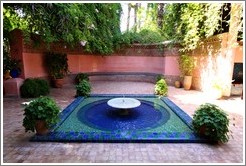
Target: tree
[(160, 13), (128, 16), (70, 23), (135, 7)]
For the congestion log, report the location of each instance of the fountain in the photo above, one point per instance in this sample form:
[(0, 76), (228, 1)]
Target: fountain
[(124, 104)]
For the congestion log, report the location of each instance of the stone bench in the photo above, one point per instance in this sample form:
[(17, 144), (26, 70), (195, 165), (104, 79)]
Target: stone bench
[(123, 76)]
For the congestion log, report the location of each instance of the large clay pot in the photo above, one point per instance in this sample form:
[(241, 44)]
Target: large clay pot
[(41, 127), (177, 84), (187, 82)]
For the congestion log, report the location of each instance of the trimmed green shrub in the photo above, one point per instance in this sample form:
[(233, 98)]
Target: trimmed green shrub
[(34, 87), (211, 122), (80, 77), (161, 88), (83, 88)]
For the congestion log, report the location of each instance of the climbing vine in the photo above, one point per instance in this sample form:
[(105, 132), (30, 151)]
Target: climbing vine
[(189, 23)]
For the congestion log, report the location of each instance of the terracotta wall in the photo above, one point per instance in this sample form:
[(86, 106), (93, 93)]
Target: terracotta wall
[(214, 63), (115, 63), (238, 51), (136, 58)]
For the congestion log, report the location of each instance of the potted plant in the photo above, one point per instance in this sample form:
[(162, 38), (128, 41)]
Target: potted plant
[(161, 87), (83, 88), (57, 66), (211, 122), (186, 66), (40, 114), (11, 67)]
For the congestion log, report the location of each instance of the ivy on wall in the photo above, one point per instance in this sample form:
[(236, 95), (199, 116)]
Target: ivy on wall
[(189, 23)]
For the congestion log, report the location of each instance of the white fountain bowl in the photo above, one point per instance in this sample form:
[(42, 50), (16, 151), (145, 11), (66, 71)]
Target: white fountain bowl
[(124, 103)]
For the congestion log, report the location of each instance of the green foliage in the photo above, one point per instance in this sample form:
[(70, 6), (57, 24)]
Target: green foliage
[(186, 64), (189, 23), (83, 88), (149, 36), (56, 64), (161, 88), (96, 23), (42, 108), (159, 77), (172, 17), (80, 77), (34, 87), (145, 36), (10, 63), (211, 121)]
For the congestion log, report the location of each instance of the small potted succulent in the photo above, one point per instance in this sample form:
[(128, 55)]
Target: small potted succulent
[(40, 114), (211, 122)]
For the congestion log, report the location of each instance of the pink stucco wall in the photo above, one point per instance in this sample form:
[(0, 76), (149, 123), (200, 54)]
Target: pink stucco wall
[(34, 65), (171, 65), (91, 63), (137, 58)]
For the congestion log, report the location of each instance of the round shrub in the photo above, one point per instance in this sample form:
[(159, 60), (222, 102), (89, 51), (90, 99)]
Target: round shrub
[(43, 86), (81, 76), (161, 88), (211, 122), (83, 88), (34, 87)]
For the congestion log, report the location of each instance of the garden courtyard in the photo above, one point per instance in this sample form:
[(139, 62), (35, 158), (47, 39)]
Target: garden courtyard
[(18, 149), (162, 56)]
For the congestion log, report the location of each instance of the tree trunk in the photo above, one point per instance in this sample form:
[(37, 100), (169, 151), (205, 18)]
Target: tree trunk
[(160, 13), (128, 16), (135, 17)]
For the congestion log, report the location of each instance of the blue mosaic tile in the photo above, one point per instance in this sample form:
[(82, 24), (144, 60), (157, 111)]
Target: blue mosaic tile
[(120, 135)]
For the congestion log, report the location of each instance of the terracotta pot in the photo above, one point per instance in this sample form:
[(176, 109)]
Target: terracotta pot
[(58, 83), (41, 127), (187, 82), (177, 84)]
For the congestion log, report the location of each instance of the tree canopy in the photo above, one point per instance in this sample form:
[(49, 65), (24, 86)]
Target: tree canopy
[(97, 24)]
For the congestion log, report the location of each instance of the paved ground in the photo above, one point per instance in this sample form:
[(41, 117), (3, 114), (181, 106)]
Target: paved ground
[(17, 148)]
